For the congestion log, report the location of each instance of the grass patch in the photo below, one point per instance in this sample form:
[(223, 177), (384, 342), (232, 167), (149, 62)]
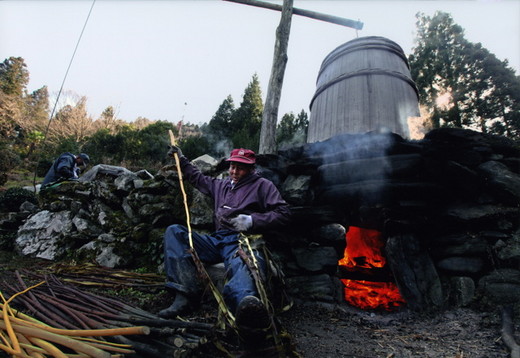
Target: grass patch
[(19, 178)]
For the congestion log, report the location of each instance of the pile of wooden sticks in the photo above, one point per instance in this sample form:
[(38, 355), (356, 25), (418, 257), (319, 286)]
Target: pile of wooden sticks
[(60, 317)]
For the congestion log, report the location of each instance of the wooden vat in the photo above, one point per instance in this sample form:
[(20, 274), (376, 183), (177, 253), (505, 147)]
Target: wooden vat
[(363, 85)]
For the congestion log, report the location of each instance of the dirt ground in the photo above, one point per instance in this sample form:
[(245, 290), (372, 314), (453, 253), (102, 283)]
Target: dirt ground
[(320, 330), (344, 331)]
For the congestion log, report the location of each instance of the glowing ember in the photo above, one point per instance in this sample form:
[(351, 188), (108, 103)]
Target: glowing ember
[(364, 250), (372, 295)]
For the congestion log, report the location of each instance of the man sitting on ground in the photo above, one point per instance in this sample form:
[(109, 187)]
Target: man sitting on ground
[(244, 202)]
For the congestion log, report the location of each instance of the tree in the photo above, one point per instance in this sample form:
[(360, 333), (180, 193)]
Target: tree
[(246, 121), (141, 122), (130, 146), (13, 81), (71, 121), (292, 130), (218, 131), (14, 76), (461, 83), (108, 120), (154, 140), (36, 112), (220, 123), (23, 116), (195, 146)]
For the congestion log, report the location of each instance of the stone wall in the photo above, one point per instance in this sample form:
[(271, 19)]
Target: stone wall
[(448, 207)]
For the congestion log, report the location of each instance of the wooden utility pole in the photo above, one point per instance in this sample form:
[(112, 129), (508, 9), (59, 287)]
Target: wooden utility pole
[(274, 90)]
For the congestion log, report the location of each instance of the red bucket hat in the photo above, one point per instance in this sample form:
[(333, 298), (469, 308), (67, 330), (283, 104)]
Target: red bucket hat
[(241, 155)]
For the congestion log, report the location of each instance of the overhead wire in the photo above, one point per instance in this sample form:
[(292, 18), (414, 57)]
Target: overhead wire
[(62, 85)]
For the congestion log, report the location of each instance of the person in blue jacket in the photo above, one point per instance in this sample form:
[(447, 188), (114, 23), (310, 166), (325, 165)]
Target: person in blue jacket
[(66, 167), (244, 202)]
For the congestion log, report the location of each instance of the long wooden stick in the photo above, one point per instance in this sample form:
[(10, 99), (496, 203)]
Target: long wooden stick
[(200, 267), (311, 14), (181, 183)]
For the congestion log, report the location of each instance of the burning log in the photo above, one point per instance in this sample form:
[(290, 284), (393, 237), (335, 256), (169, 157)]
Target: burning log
[(375, 274), (363, 258)]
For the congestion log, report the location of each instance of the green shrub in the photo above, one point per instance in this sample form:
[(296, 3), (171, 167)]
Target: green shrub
[(43, 166), (12, 198)]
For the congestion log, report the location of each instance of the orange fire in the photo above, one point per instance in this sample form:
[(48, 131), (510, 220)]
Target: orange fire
[(363, 250)]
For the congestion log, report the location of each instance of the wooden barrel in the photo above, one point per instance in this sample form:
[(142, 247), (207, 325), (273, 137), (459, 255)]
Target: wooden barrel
[(363, 85)]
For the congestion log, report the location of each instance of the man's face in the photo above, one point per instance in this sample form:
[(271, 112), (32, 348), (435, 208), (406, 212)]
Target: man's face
[(238, 171), (80, 162)]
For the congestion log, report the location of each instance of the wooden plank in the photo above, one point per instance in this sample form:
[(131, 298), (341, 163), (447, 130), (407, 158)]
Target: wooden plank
[(306, 13)]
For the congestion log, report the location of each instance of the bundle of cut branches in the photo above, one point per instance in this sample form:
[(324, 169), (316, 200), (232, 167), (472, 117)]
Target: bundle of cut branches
[(92, 275), (67, 307), (24, 336)]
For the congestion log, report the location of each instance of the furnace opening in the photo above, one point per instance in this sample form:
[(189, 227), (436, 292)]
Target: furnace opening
[(368, 283)]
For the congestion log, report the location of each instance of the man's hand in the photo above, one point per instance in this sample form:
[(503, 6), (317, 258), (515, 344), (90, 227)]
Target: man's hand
[(242, 222), (173, 149)]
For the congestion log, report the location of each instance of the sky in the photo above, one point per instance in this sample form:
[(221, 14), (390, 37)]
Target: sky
[(178, 60)]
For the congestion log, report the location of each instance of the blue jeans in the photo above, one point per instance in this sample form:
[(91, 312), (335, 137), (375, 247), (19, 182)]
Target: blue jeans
[(221, 246)]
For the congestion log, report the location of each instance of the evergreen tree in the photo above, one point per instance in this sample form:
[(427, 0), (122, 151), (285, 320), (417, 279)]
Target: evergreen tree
[(461, 83), (14, 77), (246, 121), (195, 146), (23, 116), (292, 130), (37, 108), (218, 132), (302, 124), (220, 123)]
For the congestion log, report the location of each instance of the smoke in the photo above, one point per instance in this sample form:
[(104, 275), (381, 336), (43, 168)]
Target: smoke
[(354, 168), (223, 147), (345, 147), (419, 126), (298, 138)]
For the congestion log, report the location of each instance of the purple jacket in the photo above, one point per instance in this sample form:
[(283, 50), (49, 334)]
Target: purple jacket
[(253, 195)]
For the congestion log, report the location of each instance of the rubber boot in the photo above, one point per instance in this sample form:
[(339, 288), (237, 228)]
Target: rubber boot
[(181, 305), (253, 323)]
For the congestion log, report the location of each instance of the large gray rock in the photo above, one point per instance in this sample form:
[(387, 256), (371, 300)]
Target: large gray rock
[(41, 234), (102, 251), (295, 189), (508, 249), (502, 285), (126, 182), (461, 265), (321, 287), (205, 163), (462, 290), (104, 169), (315, 259), (505, 183), (201, 210)]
